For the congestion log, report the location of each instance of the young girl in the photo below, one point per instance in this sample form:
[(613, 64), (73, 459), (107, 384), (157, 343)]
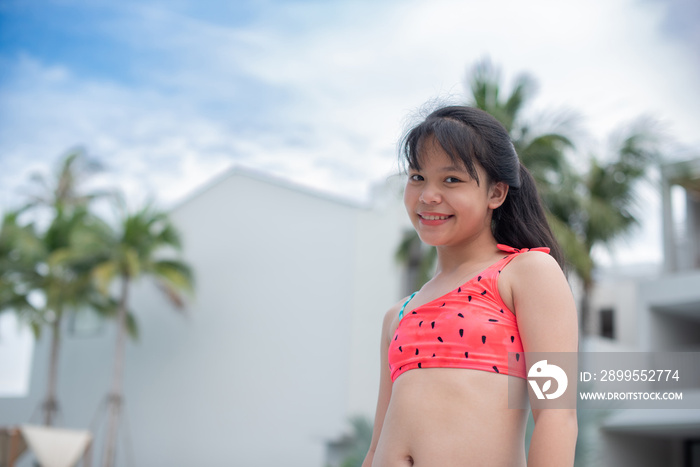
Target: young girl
[(498, 288)]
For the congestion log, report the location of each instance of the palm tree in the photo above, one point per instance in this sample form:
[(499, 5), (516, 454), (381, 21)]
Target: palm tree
[(606, 211), (543, 153), (67, 285), (64, 190), (45, 274), (134, 251)]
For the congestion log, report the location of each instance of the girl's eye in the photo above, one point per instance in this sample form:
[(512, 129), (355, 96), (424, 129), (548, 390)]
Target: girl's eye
[(415, 177), (452, 180)]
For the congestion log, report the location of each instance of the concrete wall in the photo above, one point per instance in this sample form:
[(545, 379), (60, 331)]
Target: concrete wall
[(670, 310), (619, 294), (378, 287)]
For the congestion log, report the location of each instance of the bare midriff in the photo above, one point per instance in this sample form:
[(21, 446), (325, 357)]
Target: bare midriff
[(452, 417)]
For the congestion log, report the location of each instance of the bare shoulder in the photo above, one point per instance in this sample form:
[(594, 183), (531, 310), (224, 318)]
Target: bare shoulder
[(391, 318), (533, 269), (542, 302), (534, 281)]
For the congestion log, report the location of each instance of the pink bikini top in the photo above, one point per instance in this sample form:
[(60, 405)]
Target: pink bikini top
[(469, 327)]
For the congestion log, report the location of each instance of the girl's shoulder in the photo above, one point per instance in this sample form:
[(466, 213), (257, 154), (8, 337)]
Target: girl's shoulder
[(527, 261), (391, 317), (533, 280), (531, 265), (531, 270)]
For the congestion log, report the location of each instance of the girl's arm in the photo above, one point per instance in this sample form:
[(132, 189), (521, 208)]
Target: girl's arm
[(384, 383), (548, 322)]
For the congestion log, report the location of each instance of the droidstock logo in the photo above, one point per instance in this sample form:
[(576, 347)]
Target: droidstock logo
[(542, 370)]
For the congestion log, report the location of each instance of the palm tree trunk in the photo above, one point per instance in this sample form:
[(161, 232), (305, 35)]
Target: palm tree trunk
[(115, 395), (50, 407)]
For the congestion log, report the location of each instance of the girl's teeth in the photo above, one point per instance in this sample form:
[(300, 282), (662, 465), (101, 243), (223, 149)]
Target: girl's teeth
[(434, 218)]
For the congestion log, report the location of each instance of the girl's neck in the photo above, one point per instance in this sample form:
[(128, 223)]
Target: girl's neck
[(454, 259)]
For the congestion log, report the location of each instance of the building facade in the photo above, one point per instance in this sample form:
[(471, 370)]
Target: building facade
[(655, 312)]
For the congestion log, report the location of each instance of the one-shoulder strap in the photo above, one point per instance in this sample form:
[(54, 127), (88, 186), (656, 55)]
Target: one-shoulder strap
[(514, 252), (510, 249), (404, 305)]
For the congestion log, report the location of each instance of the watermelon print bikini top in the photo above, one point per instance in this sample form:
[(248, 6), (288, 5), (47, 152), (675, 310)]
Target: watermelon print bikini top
[(469, 327)]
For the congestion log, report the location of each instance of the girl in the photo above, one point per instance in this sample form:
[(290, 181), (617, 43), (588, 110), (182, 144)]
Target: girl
[(498, 288)]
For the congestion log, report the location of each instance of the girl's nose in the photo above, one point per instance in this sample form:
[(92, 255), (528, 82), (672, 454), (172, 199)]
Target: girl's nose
[(430, 196)]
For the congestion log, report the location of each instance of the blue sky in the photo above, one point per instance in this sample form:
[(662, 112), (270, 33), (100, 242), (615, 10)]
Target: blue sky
[(168, 94)]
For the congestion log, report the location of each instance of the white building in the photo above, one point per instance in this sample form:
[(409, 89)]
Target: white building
[(656, 313), (278, 347)]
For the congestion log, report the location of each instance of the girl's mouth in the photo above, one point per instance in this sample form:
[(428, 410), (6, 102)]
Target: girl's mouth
[(433, 218)]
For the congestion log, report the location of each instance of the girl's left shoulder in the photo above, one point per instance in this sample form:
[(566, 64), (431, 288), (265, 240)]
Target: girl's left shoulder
[(533, 272), (535, 260)]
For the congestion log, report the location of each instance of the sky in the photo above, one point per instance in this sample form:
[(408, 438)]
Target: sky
[(170, 94)]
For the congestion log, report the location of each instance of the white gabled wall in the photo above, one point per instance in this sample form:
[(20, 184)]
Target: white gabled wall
[(378, 287), (268, 353)]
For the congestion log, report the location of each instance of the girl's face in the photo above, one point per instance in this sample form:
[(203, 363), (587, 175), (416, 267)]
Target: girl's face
[(446, 206)]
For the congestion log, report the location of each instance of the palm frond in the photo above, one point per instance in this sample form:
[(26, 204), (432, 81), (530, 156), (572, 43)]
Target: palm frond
[(176, 273)]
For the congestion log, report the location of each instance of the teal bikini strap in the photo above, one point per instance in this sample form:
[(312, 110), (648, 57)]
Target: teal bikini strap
[(404, 305)]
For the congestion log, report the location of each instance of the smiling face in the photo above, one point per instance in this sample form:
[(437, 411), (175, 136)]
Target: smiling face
[(446, 205)]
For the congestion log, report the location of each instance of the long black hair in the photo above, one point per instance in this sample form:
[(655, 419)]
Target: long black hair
[(470, 136)]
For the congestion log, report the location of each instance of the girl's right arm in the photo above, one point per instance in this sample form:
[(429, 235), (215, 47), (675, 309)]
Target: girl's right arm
[(384, 382)]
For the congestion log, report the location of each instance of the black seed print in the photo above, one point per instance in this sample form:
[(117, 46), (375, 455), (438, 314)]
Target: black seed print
[(433, 355), (501, 310), (478, 279), (499, 271), (440, 339), (414, 313), (517, 357), (419, 324), (459, 290), (483, 339), (460, 315), (419, 365), (469, 298), (432, 325), (496, 369), (483, 293), (461, 333), (442, 305), (512, 338), (466, 354), (400, 349), (493, 320), (416, 351), (396, 337)]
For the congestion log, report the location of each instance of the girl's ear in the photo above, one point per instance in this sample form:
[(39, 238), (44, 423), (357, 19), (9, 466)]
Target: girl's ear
[(497, 194)]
